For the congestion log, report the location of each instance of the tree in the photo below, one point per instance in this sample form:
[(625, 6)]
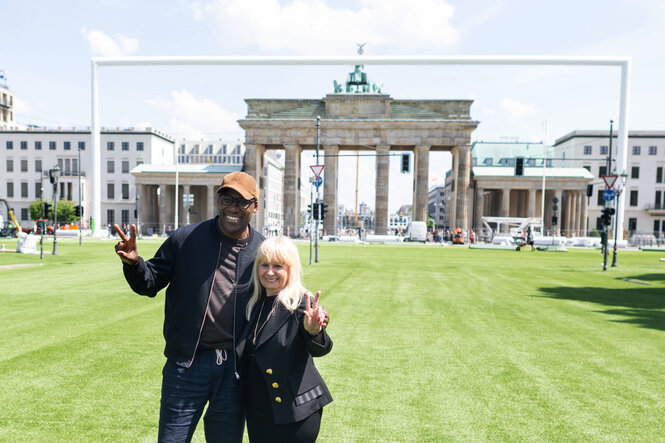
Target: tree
[(65, 211), (35, 210)]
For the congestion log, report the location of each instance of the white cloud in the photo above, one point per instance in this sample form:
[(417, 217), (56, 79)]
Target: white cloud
[(196, 118), (102, 44), (315, 27), (516, 111)]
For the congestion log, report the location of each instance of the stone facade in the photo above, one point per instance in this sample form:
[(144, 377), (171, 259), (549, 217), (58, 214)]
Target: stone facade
[(365, 122)]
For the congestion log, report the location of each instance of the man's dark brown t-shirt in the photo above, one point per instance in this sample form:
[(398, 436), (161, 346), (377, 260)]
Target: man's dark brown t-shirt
[(217, 332)]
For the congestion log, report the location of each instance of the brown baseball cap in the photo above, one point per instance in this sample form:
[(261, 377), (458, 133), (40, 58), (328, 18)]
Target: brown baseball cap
[(241, 182)]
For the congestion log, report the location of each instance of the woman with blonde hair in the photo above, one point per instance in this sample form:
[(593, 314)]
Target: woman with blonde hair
[(282, 392)]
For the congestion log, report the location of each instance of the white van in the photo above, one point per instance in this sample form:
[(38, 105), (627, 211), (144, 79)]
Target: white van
[(417, 231)]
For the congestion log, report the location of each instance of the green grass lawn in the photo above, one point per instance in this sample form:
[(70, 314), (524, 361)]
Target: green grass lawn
[(431, 344)]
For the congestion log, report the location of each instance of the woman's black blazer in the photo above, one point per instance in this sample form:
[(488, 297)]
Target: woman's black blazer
[(284, 351)]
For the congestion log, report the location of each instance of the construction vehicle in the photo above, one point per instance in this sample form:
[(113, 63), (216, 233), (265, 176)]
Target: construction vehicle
[(10, 227)]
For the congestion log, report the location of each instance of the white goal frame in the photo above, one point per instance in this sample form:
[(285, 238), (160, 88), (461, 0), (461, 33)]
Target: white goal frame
[(623, 62)]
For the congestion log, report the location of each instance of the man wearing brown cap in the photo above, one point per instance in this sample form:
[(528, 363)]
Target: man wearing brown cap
[(207, 267)]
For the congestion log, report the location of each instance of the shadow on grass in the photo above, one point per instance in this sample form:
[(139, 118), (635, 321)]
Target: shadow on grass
[(640, 306), (648, 277)]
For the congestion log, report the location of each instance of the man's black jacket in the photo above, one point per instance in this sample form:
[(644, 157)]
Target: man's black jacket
[(186, 262)]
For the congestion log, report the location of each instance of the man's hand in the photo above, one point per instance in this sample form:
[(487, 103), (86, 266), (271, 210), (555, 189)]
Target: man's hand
[(126, 247)]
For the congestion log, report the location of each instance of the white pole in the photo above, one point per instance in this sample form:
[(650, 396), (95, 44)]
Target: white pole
[(622, 146), (542, 197), (95, 158)]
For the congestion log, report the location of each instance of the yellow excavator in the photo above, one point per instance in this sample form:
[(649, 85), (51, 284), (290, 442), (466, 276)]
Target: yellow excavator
[(9, 228)]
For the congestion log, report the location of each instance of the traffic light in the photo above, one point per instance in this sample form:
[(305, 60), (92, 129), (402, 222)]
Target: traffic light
[(47, 210), (323, 210), (406, 160), (309, 210), (589, 190), (136, 214), (78, 211), (606, 217), (519, 166), (555, 220), (316, 211)]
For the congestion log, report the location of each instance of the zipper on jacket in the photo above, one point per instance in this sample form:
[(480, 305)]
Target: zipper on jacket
[(205, 313), (234, 294)]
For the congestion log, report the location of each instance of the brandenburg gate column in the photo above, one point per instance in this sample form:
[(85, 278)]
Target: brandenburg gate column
[(382, 182), (254, 167), (292, 190), (462, 186), (557, 228), (480, 205), (211, 203), (420, 181), (331, 162)]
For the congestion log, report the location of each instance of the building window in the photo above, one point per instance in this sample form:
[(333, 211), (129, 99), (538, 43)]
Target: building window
[(24, 189), (653, 150), (125, 166), (600, 201), (10, 165), (587, 167), (38, 146), (125, 146), (636, 150), (110, 146), (659, 174), (110, 216), (587, 150), (51, 146), (125, 216), (24, 165), (635, 172), (25, 214), (125, 191), (657, 200), (38, 165), (656, 227), (632, 224), (38, 190), (10, 189), (110, 191), (139, 162), (10, 144), (24, 146), (489, 161), (139, 146), (603, 150), (67, 146), (81, 146), (633, 198), (602, 170), (110, 166)]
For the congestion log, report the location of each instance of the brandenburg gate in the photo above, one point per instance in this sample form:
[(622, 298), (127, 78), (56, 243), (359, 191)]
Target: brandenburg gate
[(356, 119)]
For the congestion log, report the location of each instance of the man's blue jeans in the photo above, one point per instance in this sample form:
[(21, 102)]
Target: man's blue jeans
[(186, 391)]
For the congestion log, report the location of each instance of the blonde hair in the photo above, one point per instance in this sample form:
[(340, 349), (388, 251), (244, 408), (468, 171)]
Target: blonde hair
[(279, 250)]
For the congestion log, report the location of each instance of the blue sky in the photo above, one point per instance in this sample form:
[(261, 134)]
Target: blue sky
[(46, 49)]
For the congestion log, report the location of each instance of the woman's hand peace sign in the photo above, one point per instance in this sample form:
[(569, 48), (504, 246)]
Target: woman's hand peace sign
[(314, 314)]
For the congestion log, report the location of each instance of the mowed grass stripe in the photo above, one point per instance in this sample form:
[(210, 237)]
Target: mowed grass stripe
[(431, 344)]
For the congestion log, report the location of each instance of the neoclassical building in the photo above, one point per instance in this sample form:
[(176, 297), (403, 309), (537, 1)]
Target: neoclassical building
[(362, 121)]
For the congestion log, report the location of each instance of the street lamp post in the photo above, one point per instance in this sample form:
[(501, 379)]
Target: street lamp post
[(54, 175), (41, 224), (80, 207), (623, 176)]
